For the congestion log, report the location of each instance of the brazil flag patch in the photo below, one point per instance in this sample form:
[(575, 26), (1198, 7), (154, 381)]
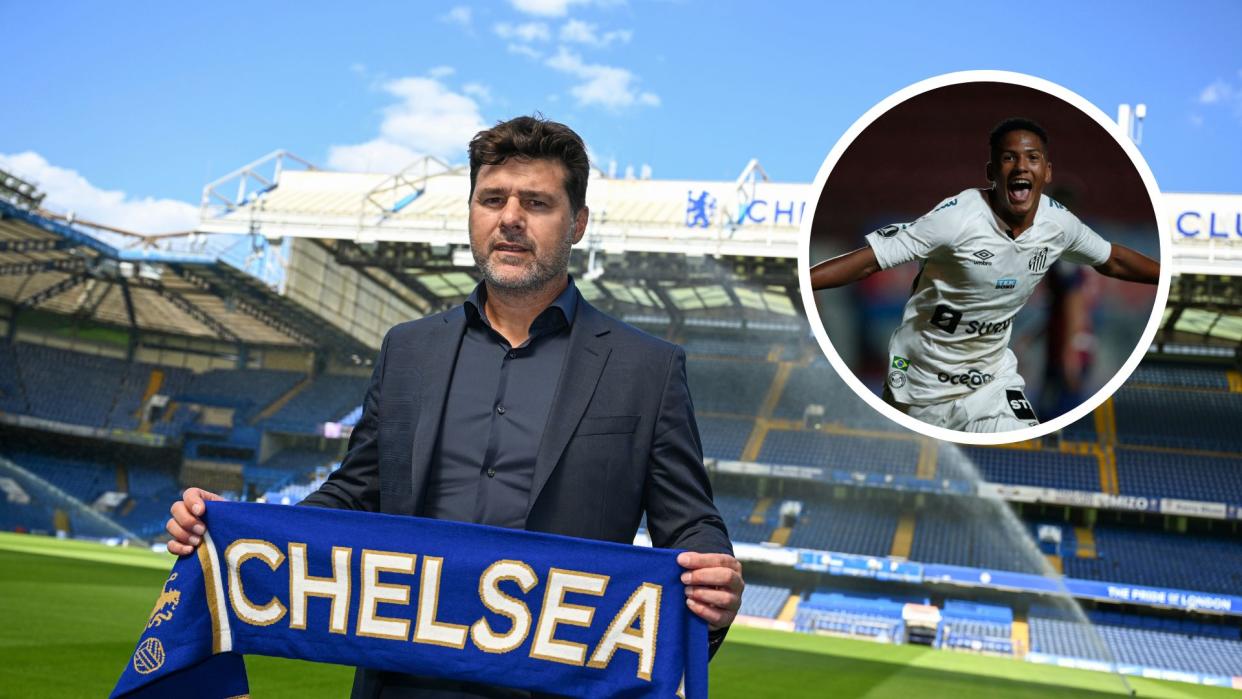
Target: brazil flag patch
[(901, 363)]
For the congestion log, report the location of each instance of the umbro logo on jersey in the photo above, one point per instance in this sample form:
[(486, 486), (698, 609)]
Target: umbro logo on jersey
[(982, 257), (1039, 261), (1006, 283)]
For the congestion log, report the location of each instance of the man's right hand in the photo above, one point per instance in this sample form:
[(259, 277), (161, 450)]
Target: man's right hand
[(185, 527)]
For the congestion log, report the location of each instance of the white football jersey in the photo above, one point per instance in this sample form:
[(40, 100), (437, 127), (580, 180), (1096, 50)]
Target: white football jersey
[(973, 280)]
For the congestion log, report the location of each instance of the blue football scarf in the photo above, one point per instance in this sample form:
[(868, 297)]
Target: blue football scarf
[(417, 596)]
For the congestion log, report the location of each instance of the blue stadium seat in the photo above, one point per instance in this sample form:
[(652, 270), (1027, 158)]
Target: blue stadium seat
[(763, 600), (846, 452), (1162, 559)]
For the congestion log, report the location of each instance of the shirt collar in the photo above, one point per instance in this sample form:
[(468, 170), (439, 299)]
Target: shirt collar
[(998, 223), (566, 303)]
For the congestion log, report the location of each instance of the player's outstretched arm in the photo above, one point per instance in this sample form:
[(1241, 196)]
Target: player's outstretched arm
[(1131, 266), (845, 269)]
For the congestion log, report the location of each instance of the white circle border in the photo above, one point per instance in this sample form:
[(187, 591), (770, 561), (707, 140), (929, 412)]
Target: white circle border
[(1162, 289)]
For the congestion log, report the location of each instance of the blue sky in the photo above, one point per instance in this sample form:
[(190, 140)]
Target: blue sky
[(123, 111)]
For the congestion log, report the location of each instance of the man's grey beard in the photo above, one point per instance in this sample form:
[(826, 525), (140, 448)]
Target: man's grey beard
[(537, 276)]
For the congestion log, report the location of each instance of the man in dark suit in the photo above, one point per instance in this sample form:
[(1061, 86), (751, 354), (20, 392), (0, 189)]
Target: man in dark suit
[(526, 407)]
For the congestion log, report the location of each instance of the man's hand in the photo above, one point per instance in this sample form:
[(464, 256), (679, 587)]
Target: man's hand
[(185, 527), (713, 586)]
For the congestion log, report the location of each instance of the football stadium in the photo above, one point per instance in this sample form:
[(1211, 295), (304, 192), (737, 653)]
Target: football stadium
[(1102, 560)]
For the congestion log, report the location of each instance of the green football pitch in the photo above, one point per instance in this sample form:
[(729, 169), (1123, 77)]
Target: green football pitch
[(72, 613)]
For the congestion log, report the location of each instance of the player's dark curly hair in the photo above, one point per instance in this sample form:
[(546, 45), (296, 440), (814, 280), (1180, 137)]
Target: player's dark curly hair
[(534, 137), (1015, 124)]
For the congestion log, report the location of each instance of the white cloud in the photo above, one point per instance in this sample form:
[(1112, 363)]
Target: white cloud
[(524, 50), (602, 85), (1223, 93), (67, 191), (1216, 92), (428, 119), (527, 32), (376, 155), (441, 72), (460, 15), (578, 32), (546, 8), (479, 91)]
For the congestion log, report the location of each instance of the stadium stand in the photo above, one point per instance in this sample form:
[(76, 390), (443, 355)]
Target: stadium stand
[(863, 527), (1177, 418), (736, 512), (1048, 469), (12, 395), (1162, 559), (1180, 475), (763, 600), (151, 490), (292, 493), (1143, 647), (248, 390), (876, 617), (170, 381), (971, 532), (283, 468), (725, 386), (727, 347), (83, 479), (724, 437), (974, 626), (1154, 373), (68, 386), (841, 451), (51, 508), (326, 399)]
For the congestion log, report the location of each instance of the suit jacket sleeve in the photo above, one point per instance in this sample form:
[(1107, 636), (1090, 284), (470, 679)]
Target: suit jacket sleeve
[(355, 485), (680, 512)]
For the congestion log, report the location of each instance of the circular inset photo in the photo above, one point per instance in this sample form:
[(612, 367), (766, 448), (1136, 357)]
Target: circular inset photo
[(984, 263)]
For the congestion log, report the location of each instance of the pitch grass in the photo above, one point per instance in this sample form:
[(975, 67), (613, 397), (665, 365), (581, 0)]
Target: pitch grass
[(71, 613)]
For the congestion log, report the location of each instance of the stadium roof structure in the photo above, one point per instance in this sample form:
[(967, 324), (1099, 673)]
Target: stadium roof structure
[(667, 252), (1203, 317), (53, 263)]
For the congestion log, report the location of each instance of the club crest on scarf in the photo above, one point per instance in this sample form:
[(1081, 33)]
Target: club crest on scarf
[(165, 605)]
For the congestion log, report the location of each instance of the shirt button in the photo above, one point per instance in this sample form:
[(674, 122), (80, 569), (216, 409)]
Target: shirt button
[(491, 473), (511, 354), (500, 409)]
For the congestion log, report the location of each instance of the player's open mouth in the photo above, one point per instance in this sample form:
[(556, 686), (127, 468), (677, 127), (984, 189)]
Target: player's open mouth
[(1019, 190)]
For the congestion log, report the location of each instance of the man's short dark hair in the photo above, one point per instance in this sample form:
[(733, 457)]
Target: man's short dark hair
[(534, 137), (1015, 124)]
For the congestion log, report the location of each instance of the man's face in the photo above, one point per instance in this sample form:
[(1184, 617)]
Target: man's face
[(1019, 170), (521, 226)]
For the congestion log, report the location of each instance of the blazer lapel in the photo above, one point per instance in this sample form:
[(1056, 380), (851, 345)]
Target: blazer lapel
[(440, 358), (584, 362)]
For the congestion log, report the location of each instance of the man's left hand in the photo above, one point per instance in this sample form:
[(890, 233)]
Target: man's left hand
[(713, 586)]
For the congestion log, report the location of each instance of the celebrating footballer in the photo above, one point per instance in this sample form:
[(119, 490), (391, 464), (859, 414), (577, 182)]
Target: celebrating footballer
[(981, 254)]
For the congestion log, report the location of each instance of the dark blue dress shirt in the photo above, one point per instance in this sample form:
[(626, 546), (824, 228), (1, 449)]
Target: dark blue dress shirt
[(495, 414)]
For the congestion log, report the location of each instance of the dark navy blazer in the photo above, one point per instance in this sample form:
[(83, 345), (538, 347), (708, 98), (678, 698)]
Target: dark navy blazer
[(620, 439)]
